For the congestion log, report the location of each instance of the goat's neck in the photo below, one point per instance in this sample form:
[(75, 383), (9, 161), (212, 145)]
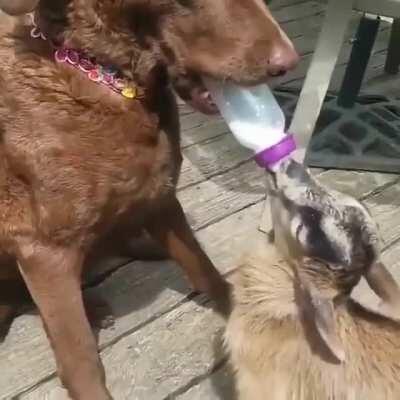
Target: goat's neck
[(265, 285)]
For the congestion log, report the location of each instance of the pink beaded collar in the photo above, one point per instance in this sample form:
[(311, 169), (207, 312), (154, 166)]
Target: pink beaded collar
[(105, 75)]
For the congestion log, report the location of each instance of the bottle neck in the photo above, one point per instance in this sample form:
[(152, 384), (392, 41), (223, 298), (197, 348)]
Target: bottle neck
[(272, 155)]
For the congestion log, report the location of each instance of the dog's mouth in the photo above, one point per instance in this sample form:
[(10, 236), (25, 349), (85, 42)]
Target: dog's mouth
[(192, 90), (200, 99)]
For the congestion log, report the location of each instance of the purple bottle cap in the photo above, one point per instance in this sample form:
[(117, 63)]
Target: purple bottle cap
[(272, 155)]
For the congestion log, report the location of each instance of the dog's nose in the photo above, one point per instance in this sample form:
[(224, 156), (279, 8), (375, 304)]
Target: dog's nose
[(283, 58)]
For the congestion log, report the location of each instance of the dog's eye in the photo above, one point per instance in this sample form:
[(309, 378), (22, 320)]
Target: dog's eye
[(185, 3)]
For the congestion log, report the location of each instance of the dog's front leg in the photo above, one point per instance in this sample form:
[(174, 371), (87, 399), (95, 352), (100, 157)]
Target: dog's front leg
[(53, 277), (171, 229)]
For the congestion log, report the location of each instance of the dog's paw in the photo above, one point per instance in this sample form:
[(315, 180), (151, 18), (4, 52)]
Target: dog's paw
[(105, 321), (223, 301), (7, 315), (99, 313)]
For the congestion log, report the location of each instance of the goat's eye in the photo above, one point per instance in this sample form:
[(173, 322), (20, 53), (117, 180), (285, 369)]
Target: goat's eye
[(310, 215), (298, 230), (313, 216), (336, 267)]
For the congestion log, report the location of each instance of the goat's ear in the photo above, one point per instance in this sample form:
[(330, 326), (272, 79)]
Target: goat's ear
[(18, 7), (318, 313), (324, 318), (381, 281)]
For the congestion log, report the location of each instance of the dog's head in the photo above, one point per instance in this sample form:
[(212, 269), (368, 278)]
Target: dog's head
[(224, 39), (332, 241)]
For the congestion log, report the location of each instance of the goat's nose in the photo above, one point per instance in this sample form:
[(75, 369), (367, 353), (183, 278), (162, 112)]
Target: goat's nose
[(283, 58), (296, 171)]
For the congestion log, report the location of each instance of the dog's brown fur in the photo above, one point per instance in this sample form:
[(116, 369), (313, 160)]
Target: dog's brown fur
[(78, 162)]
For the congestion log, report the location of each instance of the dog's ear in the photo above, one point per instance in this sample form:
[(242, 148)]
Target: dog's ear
[(18, 7), (381, 281), (317, 309)]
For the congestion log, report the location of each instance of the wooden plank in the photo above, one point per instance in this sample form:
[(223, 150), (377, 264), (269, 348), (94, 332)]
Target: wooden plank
[(217, 386), (301, 70), (359, 184), (375, 69), (298, 11), (208, 129), (214, 199), (211, 158), (277, 4), (382, 83), (157, 287), (194, 120), (384, 208)]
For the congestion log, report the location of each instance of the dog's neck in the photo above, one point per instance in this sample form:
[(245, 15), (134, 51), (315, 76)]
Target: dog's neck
[(86, 33), (107, 75)]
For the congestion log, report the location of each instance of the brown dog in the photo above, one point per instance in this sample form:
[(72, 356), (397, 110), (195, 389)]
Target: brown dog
[(78, 160)]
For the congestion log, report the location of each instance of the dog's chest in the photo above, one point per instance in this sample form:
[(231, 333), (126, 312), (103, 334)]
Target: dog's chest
[(144, 173), (136, 170), (140, 161), (84, 178)]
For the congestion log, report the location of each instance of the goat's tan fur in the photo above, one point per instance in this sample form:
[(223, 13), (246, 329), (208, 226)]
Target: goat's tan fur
[(274, 360)]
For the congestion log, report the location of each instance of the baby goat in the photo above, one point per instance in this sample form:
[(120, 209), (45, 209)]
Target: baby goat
[(295, 333)]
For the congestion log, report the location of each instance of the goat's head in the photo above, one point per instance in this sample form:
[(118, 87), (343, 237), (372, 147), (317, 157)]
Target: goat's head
[(332, 241)]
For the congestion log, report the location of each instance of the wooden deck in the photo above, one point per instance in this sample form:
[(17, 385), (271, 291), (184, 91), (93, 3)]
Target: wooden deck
[(165, 343)]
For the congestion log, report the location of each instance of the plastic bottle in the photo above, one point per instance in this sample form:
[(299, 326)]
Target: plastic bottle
[(255, 119)]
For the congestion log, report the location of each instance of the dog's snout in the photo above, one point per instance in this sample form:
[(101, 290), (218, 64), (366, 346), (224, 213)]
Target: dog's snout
[(283, 58)]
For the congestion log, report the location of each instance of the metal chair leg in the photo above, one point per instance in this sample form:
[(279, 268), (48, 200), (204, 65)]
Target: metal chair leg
[(338, 15), (393, 57), (360, 55), (319, 74)]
